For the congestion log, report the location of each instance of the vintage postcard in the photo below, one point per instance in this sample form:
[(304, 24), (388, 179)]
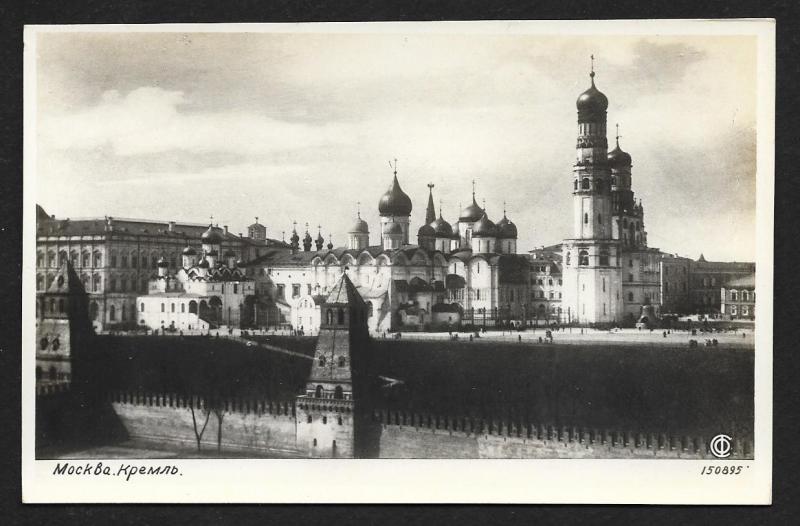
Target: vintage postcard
[(399, 262)]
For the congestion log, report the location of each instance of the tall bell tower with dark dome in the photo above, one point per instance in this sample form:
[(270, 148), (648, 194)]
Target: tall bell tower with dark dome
[(592, 278)]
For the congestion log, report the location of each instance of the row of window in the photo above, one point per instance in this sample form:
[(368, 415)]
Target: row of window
[(83, 260), (746, 295)]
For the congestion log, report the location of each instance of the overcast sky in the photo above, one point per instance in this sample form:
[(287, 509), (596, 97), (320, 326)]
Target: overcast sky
[(175, 126)]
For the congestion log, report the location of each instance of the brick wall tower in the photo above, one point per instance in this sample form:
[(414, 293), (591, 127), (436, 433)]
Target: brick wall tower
[(326, 414), (591, 257), (62, 327)]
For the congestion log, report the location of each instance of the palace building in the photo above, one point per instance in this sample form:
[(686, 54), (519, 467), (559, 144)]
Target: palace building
[(464, 272)]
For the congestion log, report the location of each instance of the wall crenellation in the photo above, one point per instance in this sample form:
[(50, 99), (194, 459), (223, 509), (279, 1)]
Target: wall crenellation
[(565, 435), (257, 406)]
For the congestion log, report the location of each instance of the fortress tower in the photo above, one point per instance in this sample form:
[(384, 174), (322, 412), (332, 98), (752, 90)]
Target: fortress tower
[(592, 276), (326, 414), (62, 327)]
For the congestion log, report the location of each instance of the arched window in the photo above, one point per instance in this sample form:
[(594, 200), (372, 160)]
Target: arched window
[(318, 392), (43, 343), (123, 312), (183, 308), (745, 296), (583, 258), (575, 184), (172, 307), (734, 295), (39, 282), (329, 317), (630, 296), (322, 361), (342, 361), (192, 307), (141, 307), (338, 393), (630, 277), (85, 258), (585, 184), (98, 258), (324, 419), (39, 259), (112, 313), (62, 257), (585, 219), (569, 258), (162, 307), (309, 419)]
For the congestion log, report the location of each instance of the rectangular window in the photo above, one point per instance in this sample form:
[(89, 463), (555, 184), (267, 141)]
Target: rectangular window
[(235, 288), (281, 291), (296, 290)]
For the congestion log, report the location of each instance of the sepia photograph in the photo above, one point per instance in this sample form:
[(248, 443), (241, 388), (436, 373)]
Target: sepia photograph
[(409, 241)]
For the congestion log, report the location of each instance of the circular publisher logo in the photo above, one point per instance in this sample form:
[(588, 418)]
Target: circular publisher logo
[(720, 446)]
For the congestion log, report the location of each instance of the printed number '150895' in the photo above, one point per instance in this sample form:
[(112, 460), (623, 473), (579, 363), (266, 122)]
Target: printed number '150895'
[(721, 470)]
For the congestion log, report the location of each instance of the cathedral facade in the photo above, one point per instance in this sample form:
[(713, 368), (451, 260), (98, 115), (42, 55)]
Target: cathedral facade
[(443, 274)]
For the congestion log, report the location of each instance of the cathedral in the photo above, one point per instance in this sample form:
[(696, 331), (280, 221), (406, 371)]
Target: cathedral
[(443, 275)]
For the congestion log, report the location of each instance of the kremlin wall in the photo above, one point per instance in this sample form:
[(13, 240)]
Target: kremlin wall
[(345, 397)]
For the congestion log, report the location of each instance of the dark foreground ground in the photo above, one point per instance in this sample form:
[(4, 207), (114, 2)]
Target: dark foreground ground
[(697, 392)]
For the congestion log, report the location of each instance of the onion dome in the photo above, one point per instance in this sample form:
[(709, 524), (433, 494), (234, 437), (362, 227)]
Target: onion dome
[(394, 202), (393, 228), (426, 231), (204, 263), (471, 213), (441, 227), (618, 158), (506, 229), (320, 240), (591, 103), (307, 237), (295, 238), (162, 263), (189, 251), (211, 236), (484, 228), (359, 227)]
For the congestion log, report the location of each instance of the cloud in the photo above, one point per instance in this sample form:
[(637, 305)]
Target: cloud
[(151, 120)]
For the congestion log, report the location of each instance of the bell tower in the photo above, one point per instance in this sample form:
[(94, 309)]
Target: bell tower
[(592, 278), (326, 413)]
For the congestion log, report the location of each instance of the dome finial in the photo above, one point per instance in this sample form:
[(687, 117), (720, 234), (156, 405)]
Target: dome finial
[(592, 71), (618, 135), (473, 190), (394, 167), (504, 208), (358, 209), (440, 208)]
